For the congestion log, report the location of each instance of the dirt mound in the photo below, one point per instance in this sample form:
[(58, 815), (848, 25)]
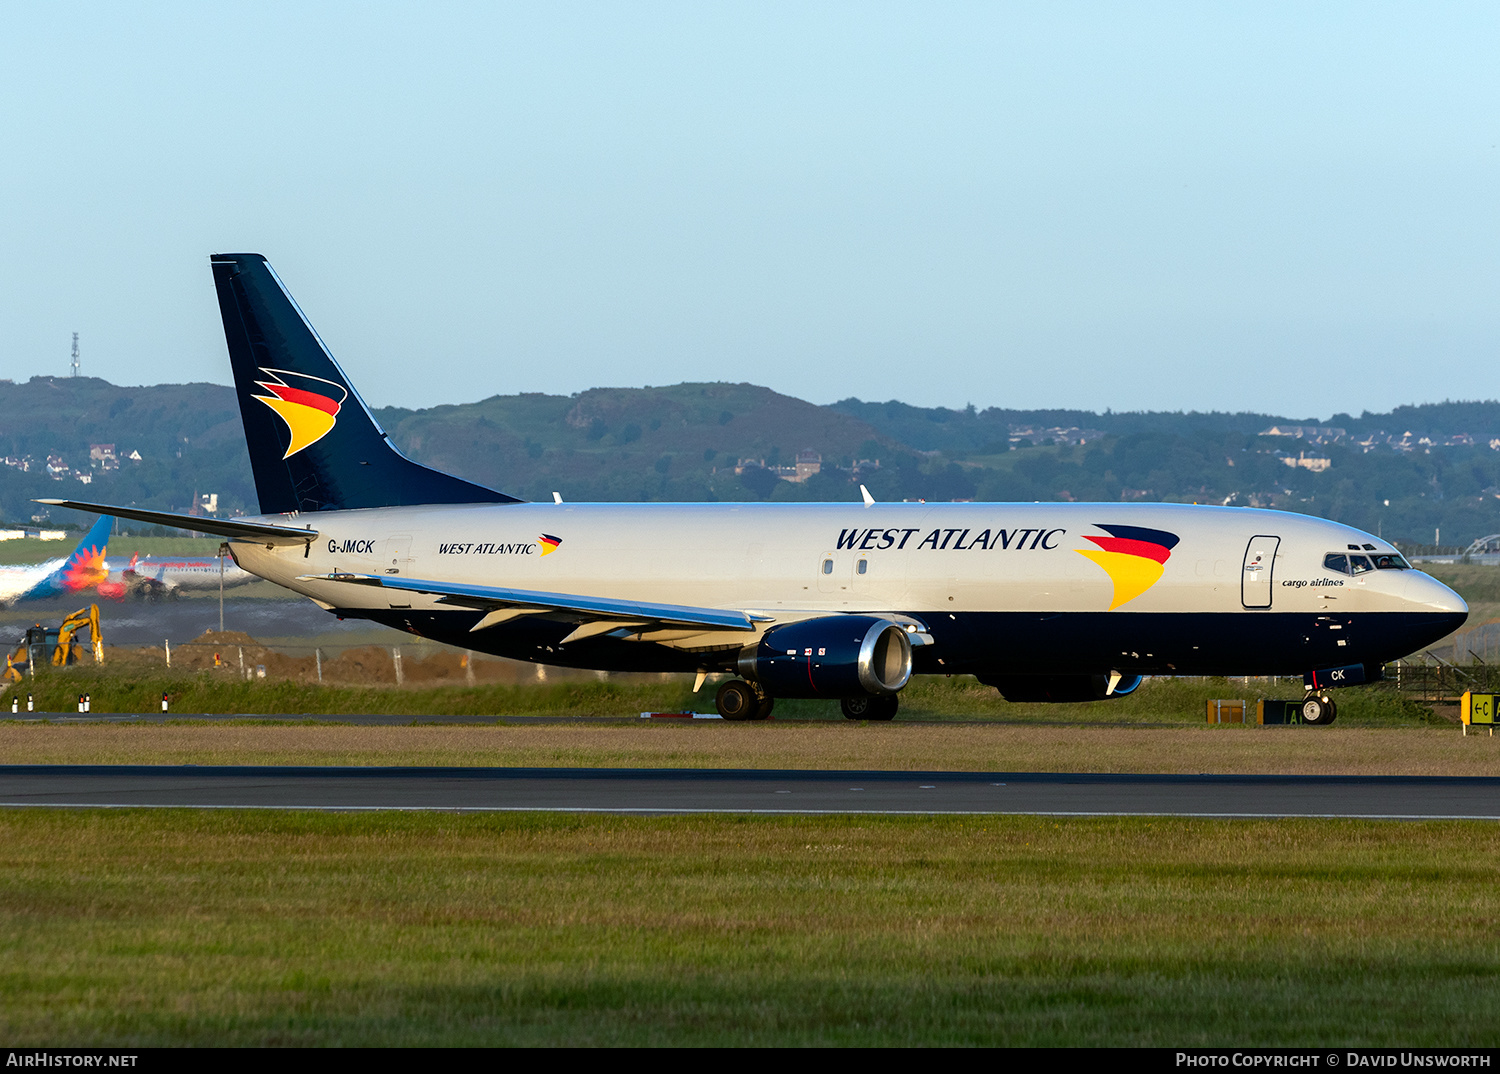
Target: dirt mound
[(224, 637), (367, 665)]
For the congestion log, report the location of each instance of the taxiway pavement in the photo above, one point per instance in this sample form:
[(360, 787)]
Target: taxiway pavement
[(615, 790)]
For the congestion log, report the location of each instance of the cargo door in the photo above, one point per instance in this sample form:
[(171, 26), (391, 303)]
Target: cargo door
[(1255, 580)]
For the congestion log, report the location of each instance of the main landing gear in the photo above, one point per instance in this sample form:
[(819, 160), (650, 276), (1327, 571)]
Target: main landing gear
[(870, 708), (738, 700), (1318, 710)]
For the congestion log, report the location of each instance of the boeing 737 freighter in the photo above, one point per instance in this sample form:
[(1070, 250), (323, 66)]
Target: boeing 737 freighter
[(846, 601)]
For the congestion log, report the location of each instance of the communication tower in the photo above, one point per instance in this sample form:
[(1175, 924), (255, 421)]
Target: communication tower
[(75, 354)]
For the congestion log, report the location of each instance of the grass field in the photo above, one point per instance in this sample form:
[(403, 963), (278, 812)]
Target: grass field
[(125, 689), (141, 928), (31, 550), (987, 747), (261, 928)]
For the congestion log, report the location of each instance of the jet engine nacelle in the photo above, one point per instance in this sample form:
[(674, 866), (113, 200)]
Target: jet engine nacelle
[(1057, 689), (835, 656)]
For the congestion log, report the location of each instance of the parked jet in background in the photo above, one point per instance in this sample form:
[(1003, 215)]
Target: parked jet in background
[(152, 578), (1045, 602), (84, 569)]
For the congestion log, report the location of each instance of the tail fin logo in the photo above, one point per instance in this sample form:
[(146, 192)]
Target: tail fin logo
[(1133, 557), (308, 405), (85, 568)]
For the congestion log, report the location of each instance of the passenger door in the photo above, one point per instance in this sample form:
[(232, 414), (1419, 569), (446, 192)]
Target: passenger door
[(1255, 578), (827, 583)]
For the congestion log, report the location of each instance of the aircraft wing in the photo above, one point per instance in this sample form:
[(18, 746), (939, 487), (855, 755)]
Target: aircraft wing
[(222, 527), (606, 609)]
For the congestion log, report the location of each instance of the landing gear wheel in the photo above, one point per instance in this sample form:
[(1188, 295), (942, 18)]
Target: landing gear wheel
[(763, 710), (737, 700), (1319, 711), (870, 708), (855, 708)]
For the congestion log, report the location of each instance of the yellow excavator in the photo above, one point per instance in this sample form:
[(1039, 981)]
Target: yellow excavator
[(61, 640)]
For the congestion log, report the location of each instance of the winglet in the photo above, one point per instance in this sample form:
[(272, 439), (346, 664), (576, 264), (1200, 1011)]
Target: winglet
[(869, 500)]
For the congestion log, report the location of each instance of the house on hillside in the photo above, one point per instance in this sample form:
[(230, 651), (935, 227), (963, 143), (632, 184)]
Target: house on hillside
[(1316, 463), (1313, 434)]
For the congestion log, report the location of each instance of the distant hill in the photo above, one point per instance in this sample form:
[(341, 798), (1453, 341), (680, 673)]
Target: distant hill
[(676, 443), (942, 429), (188, 437), (719, 441)]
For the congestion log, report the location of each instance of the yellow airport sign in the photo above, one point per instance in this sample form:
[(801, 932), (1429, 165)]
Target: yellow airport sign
[(1477, 709)]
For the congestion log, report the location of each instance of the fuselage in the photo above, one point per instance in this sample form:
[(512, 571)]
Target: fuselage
[(28, 581), (1000, 588), (145, 575)]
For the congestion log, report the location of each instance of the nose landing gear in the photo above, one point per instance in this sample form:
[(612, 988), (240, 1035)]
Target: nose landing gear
[(1318, 710)]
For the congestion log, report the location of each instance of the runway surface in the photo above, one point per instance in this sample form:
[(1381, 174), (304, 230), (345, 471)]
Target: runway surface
[(615, 790)]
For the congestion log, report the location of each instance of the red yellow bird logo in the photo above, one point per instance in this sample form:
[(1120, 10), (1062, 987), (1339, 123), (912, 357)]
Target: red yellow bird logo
[(550, 543), (309, 412), (1133, 557)]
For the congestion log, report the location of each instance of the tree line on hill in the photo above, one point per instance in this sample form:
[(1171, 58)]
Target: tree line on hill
[(720, 441)]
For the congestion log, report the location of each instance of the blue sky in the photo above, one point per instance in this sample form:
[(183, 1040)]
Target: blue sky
[(1284, 208)]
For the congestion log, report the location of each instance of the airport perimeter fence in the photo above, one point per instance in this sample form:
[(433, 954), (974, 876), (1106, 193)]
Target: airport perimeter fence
[(1479, 644), (235, 655), (238, 656), (1425, 680)]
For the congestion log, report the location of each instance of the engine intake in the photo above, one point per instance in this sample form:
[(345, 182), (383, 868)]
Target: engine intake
[(835, 656)]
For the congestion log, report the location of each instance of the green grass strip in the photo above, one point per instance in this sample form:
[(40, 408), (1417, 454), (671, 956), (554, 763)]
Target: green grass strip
[(929, 697), (255, 928)]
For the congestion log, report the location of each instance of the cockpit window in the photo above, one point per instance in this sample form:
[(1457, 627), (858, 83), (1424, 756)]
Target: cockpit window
[(1383, 561)]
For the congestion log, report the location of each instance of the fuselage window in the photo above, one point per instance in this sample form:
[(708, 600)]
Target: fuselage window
[(1391, 563), (828, 566), (864, 566), (1335, 562), (1360, 564)]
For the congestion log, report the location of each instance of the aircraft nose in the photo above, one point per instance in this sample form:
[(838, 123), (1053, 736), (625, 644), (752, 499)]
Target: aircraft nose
[(1433, 595)]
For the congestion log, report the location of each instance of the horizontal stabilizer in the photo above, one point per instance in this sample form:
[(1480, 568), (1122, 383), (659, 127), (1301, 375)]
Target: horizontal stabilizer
[(488, 597), (221, 527)]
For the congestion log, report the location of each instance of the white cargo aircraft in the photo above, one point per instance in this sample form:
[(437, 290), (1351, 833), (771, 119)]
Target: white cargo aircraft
[(846, 601)]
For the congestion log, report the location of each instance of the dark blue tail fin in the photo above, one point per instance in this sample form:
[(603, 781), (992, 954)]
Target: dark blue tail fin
[(314, 446)]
